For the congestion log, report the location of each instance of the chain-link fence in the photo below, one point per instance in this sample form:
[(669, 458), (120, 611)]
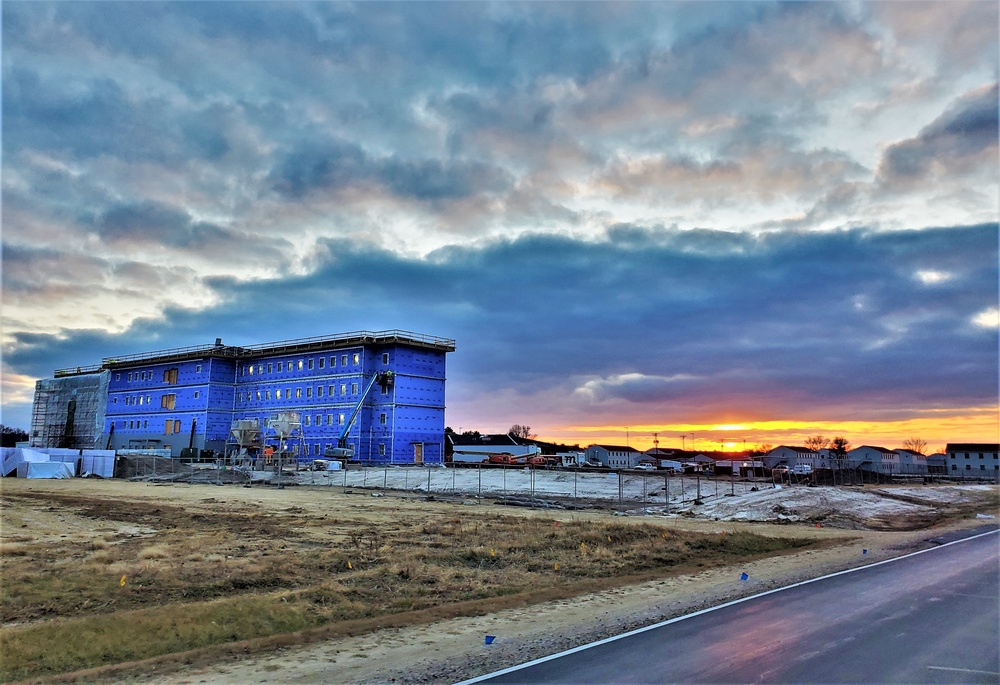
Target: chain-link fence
[(657, 492), (625, 491)]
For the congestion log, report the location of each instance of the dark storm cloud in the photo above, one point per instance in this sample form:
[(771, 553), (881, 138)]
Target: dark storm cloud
[(97, 117), (155, 224), (339, 165), (646, 315), (953, 142), (29, 270)]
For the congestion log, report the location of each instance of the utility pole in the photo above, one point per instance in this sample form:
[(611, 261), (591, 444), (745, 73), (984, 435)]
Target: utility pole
[(683, 438)]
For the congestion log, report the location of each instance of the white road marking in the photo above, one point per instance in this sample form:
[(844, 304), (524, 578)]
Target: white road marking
[(550, 657)]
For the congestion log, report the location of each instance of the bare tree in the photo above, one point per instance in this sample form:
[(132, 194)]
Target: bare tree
[(816, 443), (519, 431), (839, 447), (763, 448), (12, 436), (917, 445)]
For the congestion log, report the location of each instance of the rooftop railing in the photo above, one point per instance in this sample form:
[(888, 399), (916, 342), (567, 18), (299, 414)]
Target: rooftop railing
[(219, 350)]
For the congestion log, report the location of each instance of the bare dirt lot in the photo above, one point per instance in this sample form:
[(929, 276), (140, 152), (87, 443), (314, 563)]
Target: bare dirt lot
[(312, 584)]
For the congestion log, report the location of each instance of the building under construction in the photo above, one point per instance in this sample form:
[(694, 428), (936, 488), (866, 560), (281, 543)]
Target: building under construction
[(374, 397)]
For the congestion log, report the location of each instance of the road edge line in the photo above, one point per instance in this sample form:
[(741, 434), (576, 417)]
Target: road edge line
[(613, 638)]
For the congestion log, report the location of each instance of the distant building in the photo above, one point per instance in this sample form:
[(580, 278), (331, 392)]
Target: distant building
[(911, 461), (791, 456), (973, 459), (874, 459), (615, 456), (382, 392), (937, 463), (476, 448)]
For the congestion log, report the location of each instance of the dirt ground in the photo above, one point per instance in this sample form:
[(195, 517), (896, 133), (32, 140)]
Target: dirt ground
[(453, 649)]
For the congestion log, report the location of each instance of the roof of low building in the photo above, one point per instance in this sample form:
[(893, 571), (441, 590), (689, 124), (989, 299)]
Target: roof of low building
[(972, 447), (616, 448), (547, 447), (488, 439), (883, 450)]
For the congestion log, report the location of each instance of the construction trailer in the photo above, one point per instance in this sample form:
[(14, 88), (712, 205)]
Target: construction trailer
[(187, 399)]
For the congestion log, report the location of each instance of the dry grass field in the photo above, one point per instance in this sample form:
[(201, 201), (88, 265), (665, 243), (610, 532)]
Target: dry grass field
[(98, 573)]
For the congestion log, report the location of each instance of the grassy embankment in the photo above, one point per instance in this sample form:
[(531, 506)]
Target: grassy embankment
[(210, 581)]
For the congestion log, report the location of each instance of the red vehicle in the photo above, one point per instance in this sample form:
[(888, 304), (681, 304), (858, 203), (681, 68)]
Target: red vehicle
[(501, 459)]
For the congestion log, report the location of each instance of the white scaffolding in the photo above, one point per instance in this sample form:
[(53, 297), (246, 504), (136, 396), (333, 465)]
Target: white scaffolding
[(69, 411)]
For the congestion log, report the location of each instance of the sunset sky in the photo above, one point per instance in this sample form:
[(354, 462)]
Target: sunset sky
[(740, 222)]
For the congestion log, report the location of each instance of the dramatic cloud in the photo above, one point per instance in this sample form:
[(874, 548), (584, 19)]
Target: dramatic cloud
[(623, 212), (961, 140), (645, 322)]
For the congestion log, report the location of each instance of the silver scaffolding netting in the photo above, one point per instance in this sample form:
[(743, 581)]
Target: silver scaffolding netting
[(69, 411)]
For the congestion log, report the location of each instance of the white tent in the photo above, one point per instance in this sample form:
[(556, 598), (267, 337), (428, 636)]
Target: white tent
[(15, 456), (44, 469)]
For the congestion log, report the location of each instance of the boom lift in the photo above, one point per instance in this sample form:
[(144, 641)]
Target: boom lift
[(343, 450)]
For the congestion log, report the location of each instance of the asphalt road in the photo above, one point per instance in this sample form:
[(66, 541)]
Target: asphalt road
[(931, 617)]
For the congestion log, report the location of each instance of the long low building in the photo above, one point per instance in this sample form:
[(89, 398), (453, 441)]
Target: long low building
[(379, 396), (973, 459)]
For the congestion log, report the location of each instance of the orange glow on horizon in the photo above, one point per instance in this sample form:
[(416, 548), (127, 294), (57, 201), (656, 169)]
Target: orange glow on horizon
[(937, 427)]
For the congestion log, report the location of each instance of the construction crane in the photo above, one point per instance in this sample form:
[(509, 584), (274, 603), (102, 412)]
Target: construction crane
[(343, 450)]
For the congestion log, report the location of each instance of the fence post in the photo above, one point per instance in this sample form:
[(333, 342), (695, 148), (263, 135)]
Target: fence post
[(428, 479), (531, 485), (620, 492), (644, 511)]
